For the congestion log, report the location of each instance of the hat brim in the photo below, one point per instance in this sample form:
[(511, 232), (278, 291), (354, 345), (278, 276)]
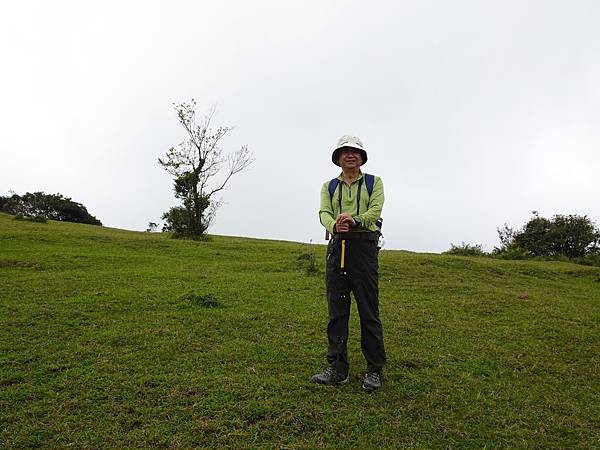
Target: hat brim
[(336, 154)]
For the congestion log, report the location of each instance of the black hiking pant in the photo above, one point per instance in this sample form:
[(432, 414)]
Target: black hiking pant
[(360, 276)]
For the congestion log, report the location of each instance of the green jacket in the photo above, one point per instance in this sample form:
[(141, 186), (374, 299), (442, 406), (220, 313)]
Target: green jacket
[(370, 207)]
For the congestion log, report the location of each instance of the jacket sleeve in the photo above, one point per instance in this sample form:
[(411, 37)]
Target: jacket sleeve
[(326, 214), (370, 216)]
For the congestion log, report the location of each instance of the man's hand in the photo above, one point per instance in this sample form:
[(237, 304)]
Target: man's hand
[(344, 222)]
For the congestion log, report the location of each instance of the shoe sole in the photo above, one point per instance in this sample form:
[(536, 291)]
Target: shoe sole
[(370, 389)]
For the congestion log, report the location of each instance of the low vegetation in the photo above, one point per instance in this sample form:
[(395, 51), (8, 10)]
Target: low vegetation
[(563, 238), (465, 250), (39, 207), (107, 343)]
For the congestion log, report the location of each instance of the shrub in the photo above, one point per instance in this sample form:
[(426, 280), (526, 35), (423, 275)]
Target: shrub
[(309, 261), (177, 221), (512, 251), (38, 219), (39, 205), (310, 265), (465, 250), (571, 236), (591, 259), (206, 301)]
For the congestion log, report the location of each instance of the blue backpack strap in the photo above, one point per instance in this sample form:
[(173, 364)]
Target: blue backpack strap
[(333, 186), (369, 182)]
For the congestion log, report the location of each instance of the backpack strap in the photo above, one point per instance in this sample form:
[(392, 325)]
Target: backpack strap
[(333, 186), (369, 182)]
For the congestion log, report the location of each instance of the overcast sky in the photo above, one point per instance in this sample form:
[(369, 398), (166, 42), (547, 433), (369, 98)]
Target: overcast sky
[(474, 113)]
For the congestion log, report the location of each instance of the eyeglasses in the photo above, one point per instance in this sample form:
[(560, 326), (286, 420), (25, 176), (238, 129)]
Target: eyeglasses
[(352, 150)]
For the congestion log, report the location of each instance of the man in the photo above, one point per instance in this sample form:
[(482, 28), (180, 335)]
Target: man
[(350, 215)]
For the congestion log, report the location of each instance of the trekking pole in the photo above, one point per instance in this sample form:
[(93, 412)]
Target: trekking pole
[(343, 258)]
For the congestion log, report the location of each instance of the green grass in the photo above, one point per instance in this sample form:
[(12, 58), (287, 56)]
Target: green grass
[(107, 342)]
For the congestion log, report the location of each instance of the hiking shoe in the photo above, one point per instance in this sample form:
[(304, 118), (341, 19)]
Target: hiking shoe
[(330, 376), (372, 381)]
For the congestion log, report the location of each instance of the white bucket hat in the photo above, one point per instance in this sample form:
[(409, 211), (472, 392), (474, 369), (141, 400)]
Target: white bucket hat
[(348, 141)]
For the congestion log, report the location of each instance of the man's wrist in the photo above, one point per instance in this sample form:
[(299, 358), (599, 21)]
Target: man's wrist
[(357, 221)]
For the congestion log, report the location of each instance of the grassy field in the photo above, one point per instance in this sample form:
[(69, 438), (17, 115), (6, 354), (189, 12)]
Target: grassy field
[(101, 347)]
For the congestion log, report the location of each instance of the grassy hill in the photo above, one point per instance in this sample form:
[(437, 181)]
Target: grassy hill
[(102, 347)]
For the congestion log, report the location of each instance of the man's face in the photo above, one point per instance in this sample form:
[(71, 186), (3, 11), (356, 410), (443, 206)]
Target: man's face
[(349, 158)]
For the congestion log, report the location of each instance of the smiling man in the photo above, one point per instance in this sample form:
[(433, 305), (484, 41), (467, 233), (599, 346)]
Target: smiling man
[(351, 206)]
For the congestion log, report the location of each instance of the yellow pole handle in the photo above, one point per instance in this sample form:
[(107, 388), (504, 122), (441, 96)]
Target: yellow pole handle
[(343, 258)]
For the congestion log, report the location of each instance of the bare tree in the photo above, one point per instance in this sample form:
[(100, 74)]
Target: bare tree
[(196, 165)]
